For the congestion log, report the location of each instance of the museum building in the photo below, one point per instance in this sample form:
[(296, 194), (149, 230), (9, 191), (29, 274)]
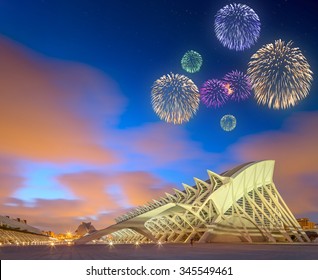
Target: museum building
[(239, 205)]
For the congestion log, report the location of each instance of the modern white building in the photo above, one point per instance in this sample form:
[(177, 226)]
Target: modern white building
[(240, 205), (18, 232)]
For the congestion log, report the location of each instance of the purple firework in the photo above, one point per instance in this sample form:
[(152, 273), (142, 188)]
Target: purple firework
[(214, 93), (237, 26), (238, 84)]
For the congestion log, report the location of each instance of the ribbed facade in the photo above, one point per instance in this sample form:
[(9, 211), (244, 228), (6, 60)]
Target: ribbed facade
[(19, 233), (240, 205)]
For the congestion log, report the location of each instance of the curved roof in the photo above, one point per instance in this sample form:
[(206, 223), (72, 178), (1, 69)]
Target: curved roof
[(232, 172)]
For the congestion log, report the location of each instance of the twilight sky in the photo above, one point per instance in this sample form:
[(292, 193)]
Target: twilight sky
[(79, 140)]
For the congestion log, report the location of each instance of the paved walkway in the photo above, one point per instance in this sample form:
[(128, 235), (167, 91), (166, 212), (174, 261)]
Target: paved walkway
[(164, 252)]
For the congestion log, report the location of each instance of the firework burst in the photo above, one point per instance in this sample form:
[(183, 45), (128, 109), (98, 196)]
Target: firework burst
[(238, 85), (237, 26), (228, 122), (175, 98), (280, 75), (214, 93), (191, 61)]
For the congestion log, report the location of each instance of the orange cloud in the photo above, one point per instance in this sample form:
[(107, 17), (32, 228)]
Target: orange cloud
[(93, 201), (44, 108), (136, 188), (59, 215), (141, 187), (10, 181), (91, 188)]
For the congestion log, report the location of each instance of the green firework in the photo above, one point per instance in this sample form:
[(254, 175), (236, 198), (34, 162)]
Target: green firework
[(191, 61), (228, 122)]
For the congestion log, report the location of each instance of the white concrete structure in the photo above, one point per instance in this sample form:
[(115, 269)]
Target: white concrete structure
[(18, 232), (240, 205)]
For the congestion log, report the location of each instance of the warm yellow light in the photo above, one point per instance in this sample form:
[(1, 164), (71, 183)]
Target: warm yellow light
[(229, 89)]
